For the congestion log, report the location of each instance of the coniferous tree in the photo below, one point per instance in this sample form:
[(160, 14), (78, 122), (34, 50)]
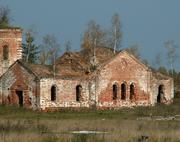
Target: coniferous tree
[(30, 49)]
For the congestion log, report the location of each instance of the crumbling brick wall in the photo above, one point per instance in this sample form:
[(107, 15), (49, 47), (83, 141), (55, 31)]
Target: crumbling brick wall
[(96, 87), (17, 78), (123, 69), (12, 38), (65, 94), (97, 91), (168, 89)]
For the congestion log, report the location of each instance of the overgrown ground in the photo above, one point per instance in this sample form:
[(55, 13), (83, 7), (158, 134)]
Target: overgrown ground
[(20, 125)]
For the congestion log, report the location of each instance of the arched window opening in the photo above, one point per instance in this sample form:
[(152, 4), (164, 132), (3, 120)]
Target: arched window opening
[(123, 91), (160, 96), (53, 93), (78, 92), (5, 52), (132, 91), (115, 91)]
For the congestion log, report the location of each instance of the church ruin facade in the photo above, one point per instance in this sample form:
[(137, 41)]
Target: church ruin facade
[(114, 81)]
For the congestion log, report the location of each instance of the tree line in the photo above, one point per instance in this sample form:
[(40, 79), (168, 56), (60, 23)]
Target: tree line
[(93, 37), (49, 49)]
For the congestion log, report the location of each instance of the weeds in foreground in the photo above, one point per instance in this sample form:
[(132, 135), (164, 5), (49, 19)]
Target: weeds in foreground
[(118, 130), (19, 125)]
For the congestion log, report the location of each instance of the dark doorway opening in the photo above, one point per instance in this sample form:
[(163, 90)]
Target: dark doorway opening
[(20, 97), (160, 93)]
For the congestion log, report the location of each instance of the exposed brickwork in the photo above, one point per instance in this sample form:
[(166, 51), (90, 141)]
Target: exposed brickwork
[(19, 79), (30, 85), (168, 89), (123, 69), (13, 39), (66, 93)]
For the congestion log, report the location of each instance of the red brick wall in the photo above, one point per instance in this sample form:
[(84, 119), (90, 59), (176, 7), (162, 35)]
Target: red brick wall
[(123, 69), (65, 95), (13, 39), (17, 78), (168, 84)]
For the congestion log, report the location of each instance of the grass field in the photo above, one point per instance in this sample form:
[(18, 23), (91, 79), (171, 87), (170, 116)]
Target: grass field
[(21, 125)]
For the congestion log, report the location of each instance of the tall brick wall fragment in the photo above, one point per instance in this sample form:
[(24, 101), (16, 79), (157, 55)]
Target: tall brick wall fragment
[(12, 38)]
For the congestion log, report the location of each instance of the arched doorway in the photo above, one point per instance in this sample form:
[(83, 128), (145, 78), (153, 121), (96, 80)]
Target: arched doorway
[(160, 95)]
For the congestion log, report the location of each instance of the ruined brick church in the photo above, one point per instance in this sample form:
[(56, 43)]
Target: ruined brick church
[(108, 81)]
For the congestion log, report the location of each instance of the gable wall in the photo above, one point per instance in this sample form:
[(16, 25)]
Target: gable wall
[(18, 79), (121, 69), (95, 92)]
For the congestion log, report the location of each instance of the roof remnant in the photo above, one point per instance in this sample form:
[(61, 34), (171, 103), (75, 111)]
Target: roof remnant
[(77, 64)]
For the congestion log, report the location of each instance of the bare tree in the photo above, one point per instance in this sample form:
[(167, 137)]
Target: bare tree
[(68, 45), (93, 36), (50, 49), (116, 32), (171, 53), (158, 60)]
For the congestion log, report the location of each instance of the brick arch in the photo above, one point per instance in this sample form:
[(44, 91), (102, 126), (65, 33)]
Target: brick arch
[(19, 94), (19, 85), (4, 43)]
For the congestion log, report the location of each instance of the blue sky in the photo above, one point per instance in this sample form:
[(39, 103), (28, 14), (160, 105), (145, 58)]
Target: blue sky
[(148, 23)]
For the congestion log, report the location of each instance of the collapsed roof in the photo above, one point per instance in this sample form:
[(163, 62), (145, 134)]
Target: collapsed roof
[(78, 64)]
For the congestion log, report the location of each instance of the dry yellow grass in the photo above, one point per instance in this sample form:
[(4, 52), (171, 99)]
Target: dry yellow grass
[(21, 125), (118, 130)]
